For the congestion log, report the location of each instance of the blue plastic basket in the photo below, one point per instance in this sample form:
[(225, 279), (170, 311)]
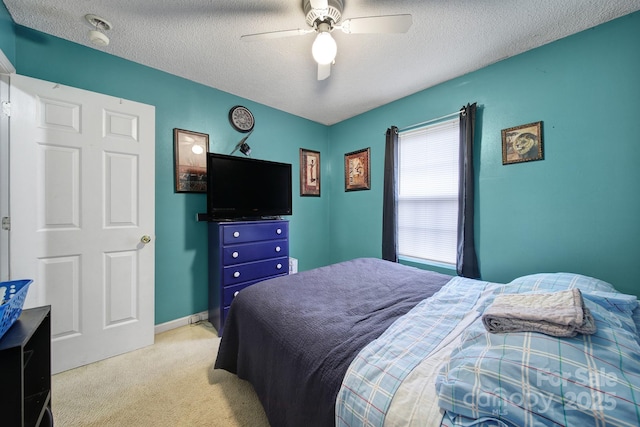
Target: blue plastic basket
[(13, 301)]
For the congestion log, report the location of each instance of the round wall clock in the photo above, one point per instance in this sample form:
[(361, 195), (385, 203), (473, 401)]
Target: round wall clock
[(241, 119)]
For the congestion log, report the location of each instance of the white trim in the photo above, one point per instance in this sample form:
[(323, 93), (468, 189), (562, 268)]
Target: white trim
[(6, 67), (183, 321), (4, 178)]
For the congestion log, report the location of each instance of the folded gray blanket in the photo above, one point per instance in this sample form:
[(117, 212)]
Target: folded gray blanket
[(560, 314)]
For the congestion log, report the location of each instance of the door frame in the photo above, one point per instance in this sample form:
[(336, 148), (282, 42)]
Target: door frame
[(6, 69)]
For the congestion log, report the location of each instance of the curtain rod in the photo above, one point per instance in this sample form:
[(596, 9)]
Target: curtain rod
[(432, 120)]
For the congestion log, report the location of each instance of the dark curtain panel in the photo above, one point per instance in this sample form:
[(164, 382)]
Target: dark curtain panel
[(389, 203), (467, 261)]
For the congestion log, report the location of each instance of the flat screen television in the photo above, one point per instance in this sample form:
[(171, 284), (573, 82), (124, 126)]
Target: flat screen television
[(246, 188)]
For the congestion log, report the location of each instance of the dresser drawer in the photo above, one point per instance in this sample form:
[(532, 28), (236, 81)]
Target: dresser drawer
[(247, 252), (239, 273), (229, 292), (254, 232)]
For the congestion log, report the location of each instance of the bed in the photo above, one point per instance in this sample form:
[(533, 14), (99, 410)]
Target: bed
[(373, 343)]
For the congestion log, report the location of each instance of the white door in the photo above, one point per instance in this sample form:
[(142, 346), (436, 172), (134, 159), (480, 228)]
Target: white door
[(81, 203)]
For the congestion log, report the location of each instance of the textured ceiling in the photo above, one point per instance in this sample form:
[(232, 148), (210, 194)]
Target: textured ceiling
[(200, 41)]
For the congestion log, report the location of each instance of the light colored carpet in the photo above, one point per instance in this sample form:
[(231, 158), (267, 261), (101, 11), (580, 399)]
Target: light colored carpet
[(171, 383)]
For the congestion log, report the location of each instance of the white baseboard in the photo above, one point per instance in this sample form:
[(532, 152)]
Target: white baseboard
[(183, 321)]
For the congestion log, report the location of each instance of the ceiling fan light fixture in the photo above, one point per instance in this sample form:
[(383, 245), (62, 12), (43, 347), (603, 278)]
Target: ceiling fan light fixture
[(322, 11), (324, 48)]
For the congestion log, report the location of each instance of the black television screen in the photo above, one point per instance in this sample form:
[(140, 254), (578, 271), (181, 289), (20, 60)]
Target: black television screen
[(245, 188)]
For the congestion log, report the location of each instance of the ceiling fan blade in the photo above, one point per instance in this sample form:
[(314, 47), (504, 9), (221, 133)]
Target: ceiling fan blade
[(324, 71), (377, 24), (275, 34)]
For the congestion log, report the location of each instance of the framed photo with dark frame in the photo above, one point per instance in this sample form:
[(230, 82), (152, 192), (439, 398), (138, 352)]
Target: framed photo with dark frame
[(190, 157), (309, 173), (522, 143), (357, 170)]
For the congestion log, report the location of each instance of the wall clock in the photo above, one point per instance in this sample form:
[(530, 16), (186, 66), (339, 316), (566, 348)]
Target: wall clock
[(241, 119)]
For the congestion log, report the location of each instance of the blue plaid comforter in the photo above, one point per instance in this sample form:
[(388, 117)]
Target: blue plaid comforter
[(378, 370), (517, 379)]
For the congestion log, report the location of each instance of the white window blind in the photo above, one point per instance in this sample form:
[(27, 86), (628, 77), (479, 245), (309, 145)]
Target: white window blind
[(428, 160)]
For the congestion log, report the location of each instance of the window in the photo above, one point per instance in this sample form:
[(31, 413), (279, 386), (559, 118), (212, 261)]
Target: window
[(428, 175)]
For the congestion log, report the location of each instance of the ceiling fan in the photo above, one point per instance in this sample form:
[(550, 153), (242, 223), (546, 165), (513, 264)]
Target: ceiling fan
[(323, 16)]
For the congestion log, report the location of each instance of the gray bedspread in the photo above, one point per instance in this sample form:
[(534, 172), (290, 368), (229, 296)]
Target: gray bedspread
[(293, 337)]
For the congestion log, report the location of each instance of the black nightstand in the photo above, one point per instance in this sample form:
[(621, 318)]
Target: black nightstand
[(25, 369)]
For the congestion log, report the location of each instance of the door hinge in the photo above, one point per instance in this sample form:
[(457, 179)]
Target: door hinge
[(6, 223), (6, 108)]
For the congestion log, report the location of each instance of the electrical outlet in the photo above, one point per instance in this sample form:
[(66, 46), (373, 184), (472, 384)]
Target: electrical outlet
[(194, 319)]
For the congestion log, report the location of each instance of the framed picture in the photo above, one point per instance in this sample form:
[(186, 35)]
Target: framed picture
[(522, 143), (309, 173), (190, 152), (356, 170)]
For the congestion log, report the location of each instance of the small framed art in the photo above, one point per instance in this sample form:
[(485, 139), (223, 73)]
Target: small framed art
[(356, 170), (522, 143), (309, 172), (190, 152)]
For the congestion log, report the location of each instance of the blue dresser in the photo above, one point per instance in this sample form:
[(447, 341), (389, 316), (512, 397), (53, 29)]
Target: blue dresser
[(240, 254)]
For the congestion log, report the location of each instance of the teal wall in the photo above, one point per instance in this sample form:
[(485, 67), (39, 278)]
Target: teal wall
[(181, 244), (7, 34), (577, 210)]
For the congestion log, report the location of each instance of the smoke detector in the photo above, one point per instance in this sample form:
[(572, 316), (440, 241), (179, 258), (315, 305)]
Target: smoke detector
[(96, 35)]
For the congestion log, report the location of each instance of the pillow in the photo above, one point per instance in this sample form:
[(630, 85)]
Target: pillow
[(561, 281), (530, 379), (587, 285)]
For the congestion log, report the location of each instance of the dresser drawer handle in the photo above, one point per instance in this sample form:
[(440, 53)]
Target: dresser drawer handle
[(279, 231), (235, 294), (235, 254), (279, 266), (277, 248), (236, 274), (236, 234)]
